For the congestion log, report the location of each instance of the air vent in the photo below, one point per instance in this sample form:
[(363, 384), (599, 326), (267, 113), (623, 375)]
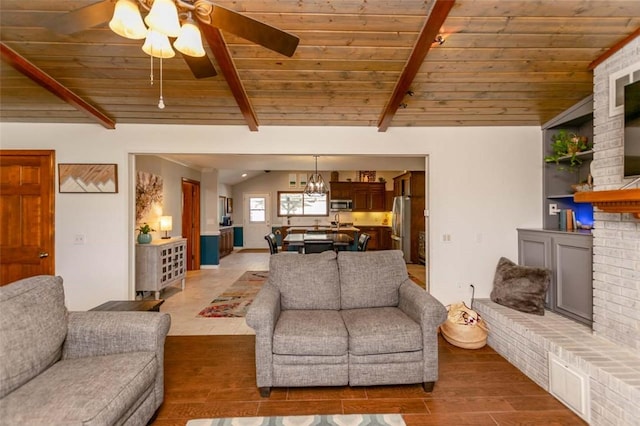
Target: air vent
[(570, 386)]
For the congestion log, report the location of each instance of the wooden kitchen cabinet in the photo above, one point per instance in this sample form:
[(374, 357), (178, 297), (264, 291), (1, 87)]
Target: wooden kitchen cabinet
[(226, 242), (380, 237), (385, 238), (341, 190), (369, 197)]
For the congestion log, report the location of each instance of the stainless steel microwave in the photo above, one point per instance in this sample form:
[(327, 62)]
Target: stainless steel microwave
[(341, 205)]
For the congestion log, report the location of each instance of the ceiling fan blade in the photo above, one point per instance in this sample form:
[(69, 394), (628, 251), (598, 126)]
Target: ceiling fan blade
[(201, 67), (250, 29), (82, 19)]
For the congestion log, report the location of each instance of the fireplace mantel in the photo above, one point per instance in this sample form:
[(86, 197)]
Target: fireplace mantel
[(614, 201)]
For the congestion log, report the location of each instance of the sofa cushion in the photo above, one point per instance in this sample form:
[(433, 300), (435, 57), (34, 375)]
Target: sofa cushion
[(312, 332), (306, 282), (371, 279), (89, 391), (381, 331), (33, 326)]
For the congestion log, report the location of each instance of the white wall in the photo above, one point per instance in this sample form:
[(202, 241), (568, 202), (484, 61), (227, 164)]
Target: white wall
[(484, 182), (172, 175)]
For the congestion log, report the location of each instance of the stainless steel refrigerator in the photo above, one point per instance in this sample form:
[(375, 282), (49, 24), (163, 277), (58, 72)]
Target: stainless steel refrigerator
[(401, 226)]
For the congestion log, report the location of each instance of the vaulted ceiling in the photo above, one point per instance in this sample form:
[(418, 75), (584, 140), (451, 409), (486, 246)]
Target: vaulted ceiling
[(358, 63)]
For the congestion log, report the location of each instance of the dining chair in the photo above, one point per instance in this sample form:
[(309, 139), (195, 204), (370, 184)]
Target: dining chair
[(273, 242), (317, 246), (363, 240)]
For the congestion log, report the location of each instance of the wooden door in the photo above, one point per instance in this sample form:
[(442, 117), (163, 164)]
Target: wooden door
[(26, 214), (191, 222)]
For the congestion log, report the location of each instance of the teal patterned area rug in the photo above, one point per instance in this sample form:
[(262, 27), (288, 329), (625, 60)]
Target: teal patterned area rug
[(325, 420)]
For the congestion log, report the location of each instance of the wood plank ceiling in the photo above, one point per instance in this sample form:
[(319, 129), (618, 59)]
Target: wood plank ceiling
[(504, 62)]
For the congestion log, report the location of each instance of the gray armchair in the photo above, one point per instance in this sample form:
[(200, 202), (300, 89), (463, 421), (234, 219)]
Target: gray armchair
[(59, 367), (353, 318)]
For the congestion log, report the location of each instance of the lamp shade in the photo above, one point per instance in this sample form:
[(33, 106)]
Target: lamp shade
[(163, 17), (126, 20), (157, 45), (166, 223), (190, 41)]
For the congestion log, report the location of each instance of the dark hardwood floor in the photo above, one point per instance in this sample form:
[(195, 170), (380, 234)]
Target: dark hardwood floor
[(214, 376)]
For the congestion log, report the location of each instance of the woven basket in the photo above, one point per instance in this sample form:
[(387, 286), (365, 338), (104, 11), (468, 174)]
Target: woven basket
[(465, 336)]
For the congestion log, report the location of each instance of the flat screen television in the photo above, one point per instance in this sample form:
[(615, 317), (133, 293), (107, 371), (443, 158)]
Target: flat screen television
[(632, 130)]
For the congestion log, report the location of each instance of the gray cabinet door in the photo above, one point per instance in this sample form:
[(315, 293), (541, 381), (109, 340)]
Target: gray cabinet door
[(573, 257), (534, 249)]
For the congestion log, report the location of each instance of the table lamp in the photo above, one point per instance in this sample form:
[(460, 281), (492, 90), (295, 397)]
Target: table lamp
[(166, 225)]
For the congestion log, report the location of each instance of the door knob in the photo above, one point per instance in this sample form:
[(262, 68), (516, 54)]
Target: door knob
[(43, 254)]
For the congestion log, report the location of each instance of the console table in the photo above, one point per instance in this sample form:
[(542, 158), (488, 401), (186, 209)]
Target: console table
[(161, 263)]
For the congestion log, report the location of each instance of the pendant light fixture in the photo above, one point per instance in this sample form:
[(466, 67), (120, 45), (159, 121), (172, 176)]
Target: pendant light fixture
[(316, 185)]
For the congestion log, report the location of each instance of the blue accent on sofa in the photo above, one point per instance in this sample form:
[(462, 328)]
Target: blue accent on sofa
[(210, 249)]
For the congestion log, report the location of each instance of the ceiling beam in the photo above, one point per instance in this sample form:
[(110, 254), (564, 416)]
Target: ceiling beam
[(428, 34), (21, 64), (230, 73), (619, 45)]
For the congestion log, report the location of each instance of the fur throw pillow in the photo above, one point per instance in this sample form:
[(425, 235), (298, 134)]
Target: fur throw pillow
[(520, 287)]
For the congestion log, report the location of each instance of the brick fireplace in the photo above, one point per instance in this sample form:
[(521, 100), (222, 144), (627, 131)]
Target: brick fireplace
[(602, 364)]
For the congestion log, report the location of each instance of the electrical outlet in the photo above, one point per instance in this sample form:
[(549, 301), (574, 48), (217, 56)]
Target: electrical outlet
[(553, 209), (80, 239)]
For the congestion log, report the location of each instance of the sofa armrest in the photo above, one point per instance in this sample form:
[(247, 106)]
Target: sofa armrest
[(262, 316), (421, 306), (427, 311), (265, 310), (98, 333)]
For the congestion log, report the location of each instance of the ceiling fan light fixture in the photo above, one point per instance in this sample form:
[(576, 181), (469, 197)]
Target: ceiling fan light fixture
[(190, 41), (127, 22), (157, 45), (163, 17)]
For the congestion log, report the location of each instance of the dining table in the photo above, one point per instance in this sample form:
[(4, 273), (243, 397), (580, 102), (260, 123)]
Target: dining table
[(340, 240)]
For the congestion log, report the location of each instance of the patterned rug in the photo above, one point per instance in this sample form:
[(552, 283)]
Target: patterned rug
[(324, 420), (235, 301)]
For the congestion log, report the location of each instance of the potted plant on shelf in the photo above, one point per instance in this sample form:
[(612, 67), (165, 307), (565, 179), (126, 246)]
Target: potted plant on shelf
[(567, 145), (144, 235)]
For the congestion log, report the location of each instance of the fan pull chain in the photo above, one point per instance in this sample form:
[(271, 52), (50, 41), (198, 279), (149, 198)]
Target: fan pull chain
[(151, 74), (161, 101)]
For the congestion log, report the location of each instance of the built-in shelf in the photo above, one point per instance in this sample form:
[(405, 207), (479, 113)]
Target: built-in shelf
[(615, 201), (582, 155), (559, 196)]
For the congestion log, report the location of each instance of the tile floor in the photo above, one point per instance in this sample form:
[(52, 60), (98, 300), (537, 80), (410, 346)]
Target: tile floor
[(204, 285)]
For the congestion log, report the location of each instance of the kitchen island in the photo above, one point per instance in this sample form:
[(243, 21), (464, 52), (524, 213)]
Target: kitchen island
[(296, 241), (380, 234)]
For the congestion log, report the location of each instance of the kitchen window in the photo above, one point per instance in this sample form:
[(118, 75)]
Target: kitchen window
[(299, 204)]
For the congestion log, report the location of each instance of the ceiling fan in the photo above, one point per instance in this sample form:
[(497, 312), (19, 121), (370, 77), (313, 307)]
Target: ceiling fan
[(205, 13)]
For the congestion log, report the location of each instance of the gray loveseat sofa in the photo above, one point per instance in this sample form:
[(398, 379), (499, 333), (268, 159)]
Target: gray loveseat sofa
[(353, 318), (76, 368)]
